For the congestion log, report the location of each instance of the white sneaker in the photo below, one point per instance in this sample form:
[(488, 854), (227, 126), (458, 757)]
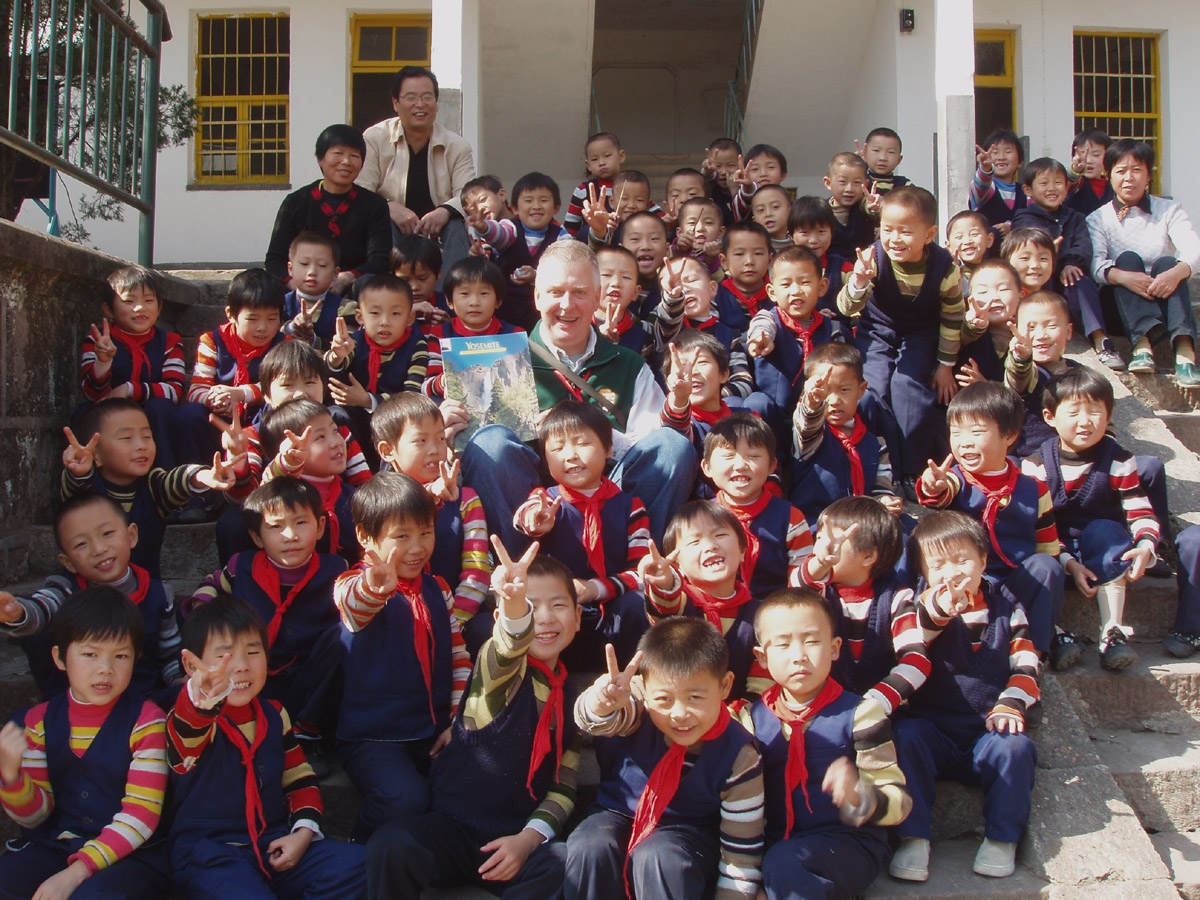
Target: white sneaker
[(996, 859), (910, 862)]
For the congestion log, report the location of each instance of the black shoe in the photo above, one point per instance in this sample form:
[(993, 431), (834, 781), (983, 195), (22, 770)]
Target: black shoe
[(1115, 654), (1181, 645), (315, 754), (908, 484), (1065, 651)]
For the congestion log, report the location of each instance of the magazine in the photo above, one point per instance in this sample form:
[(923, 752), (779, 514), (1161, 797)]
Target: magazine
[(492, 376)]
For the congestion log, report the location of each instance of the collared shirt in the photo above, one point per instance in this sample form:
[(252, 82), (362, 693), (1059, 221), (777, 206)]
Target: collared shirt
[(385, 170), (1161, 230)]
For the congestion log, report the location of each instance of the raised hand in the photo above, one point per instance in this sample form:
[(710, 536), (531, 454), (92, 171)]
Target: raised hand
[(380, 575), (342, 344), (865, 269), (352, 394), (103, 345), (933, 480), (612, 690), (539, 519), (445, 486), (656, 571), (872, 199), (816, 389), (679, 379), (302, 324), (510, 579), (208, 685), (293, 451), (12, 750), (1020, 345), (11, 610), (78, 458), (222, 475)]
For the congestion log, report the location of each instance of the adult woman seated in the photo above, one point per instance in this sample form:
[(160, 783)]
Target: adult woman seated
[(353, 216)]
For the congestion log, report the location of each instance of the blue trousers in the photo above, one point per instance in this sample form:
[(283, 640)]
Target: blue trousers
[(1187, 544), (659, 470), (391, 776), (1004, 765), (143, 875), (836, 863), (1037, 585), (1148, 317)]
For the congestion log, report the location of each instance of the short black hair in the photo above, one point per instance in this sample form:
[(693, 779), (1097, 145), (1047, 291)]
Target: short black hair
[(340, 136), (280, 493), (413, 250), (962, 215), (93, 418), (885, 133), (408, 72), (810, 212), (291, 358), (127, 278), (701, 512), (1004, 136), (399, 410), (943, 529), (1079, 383), (391, 497), (100, 613), (988, 401), (1041, 166), (602, 136), (796, 255), (766, 150), (746, 226), (255, 289), (77, 502), (794, 598), (689, 339), (223, 615), (385, 281), (834, 353), (877, 530), (487, 182), (1018, 237), (1097, 136), (724, 143), (475, 270), (292, 416), (682, 646), (740, 426), (572, 416), (1139, 150), (321, 240), (534, 181), (915, 199)]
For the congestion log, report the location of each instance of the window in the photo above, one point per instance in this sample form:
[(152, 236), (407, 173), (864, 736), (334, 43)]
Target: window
[(995, 85), (242, 77), (381, 46), (1117, 86)]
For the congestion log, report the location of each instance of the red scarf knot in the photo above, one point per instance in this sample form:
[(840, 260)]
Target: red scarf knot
[(375, 354), (997, 489), (593, 532), (551, 719), (850, 444), (746, 516)]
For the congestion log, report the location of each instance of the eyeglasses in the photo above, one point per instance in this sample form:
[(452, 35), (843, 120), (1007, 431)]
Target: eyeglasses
[(410, 99)]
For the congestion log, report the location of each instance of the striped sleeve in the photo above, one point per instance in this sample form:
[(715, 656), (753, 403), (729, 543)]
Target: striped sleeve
[(173, 374), (953, 311), (356, 603), (912, 657), (878, 770), (1046, 529), (739, 870), (30, 800), (145, 789), (1022, 690), (40, 607), (476, 573), (741, 377), (172, 489), (799, 541), (299, 782), (1139, 514), (204, 372)]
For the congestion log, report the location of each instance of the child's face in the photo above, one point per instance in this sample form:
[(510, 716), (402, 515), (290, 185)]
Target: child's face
[(414, 540), (684, 187), (289, 536), (698, 289), (1006, 159), (603, 159), (474, 302), (98, 669), (294, 386), (968, 241), (703, 223), (1130, 180), (326, 449), (647, 240), (1093, 166), (725, 163), (764, 170), (944, 566), (1079, 421), (796, 287), (556, 617), (247, 663), (739, 471), (846, 389), (707, 380), (125, 450), (747, 260), (384, 315), (576, 459), (1049, 330), (1048, 190), (817, 238), (796, 645), (419, 451), (846, 184), (685, 708), (630, 198), (709, 555), (257, 327), (904, 234), (492, 205), (882, 154), (999, 291), (135, 310), (421, 281), (618, 281), (978, 445), (1034, 265), (96, 544), (770, 210), (312, 268), (536, 208)]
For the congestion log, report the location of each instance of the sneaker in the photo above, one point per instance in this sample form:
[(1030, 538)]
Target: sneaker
[(317, 760), (1187, 375), (1115, 653), (1181, 645), (908, 485), (910, 862), (1108, 356), (996, 859), (1142, 363), (1065, 651)]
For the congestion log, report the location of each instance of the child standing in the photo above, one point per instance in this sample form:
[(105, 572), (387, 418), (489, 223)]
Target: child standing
[(994, 189), (311, 309), (746, 256)]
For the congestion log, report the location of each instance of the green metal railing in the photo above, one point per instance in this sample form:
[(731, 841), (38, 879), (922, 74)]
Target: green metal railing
[(83, 97), (739, 85)]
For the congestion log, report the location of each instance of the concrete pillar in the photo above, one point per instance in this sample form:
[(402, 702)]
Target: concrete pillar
[(455, 60), (954, 90)]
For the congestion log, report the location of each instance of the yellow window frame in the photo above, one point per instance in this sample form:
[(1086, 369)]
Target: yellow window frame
[(244, 144), (358, 22), (1009, 78)]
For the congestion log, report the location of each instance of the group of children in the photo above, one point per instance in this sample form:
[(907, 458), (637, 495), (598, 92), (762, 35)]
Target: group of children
[(786, 670)]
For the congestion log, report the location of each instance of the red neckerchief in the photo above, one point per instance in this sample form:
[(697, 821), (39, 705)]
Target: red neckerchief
[(796, 773), (715, 608), (136, 345), (241, 352), (228, 721), (805, 335), (551, 719), (333, 214), (330, 491), (1097, 185), (141, 584), (375, 354), (850, 443), (592, 531), (661, 787), (750, 304), (996, 488), (710, 419), (422, 633), (266, 576), (746, 516)]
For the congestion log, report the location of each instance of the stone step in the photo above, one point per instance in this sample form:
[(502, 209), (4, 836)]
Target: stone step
[(1159, 693), (1181, 852), (1158, 773), (1150, 606)]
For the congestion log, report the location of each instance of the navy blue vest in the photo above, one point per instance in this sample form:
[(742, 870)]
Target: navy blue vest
[(1094, 499), (780, 374), (385, 697), (518, 307), (325, 324), (393, 373), (143, 512), (1016, 522), (878, 652), (858, 232), (446, 561), (122, 364), (479, 777), (889, 310), (997, 211), (825, 476), (565, 540)]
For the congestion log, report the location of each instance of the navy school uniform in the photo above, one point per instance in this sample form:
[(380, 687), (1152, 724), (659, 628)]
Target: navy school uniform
[(325, 324), (780, 374), (858, 232), (735, 308), (517, 308)]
